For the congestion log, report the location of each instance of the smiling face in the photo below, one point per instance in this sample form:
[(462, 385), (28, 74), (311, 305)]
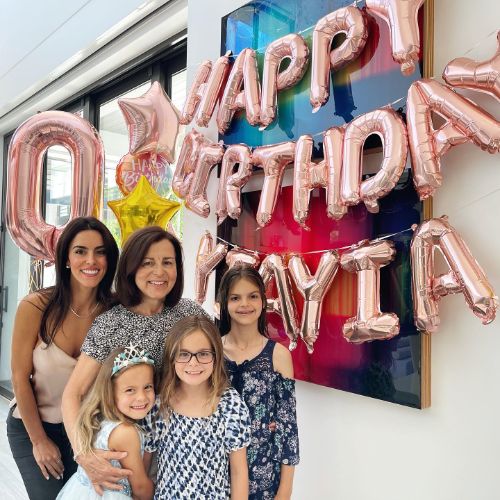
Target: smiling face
[(134, 391), (157, 272), (194, 372), (244, 303), (87, 259)]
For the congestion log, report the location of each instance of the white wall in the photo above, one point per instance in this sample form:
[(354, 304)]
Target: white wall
[(356, 448)]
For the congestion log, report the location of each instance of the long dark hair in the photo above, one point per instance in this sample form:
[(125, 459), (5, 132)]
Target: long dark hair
[(58, 297), (228, 280), (131, 258)]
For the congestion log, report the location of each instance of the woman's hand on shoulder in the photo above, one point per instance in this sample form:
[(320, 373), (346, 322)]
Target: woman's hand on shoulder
[(282, 361), (100, 472)]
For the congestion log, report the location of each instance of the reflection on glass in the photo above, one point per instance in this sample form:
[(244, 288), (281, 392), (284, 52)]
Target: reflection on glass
[(114, 134), (58, 190), (178, 86), (58, 181)]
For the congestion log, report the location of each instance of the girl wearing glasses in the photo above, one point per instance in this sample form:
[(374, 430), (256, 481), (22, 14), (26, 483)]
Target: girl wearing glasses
[(262, 372), (198, 425)]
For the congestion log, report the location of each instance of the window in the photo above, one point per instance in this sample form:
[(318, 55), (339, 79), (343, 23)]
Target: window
[(99, 106)]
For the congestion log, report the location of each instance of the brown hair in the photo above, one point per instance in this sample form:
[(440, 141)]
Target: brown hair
[(99, 404), (231, 276), (170, 381), (133, 253), (57, 298)]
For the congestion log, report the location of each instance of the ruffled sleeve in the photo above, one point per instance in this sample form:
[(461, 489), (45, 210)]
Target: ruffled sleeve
[(149, 426), (238, 422), (286, 435)]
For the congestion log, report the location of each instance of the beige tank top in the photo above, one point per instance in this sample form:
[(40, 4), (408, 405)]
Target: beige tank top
[(52, 368)]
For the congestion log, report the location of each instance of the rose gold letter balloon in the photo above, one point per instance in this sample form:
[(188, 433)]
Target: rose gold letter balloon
[(205, 90), (241, 256), (465, 122), (244, 73), (210, 154), (402, 19), (292, 47), (196, 91), (308, 175), (388, 125), (273, 160), (469, 74), (186, 164), (230, 184), (347, 20), (206, 260), (370, 323), (31, 140), (273, 267), (465, 276), (313, 289)]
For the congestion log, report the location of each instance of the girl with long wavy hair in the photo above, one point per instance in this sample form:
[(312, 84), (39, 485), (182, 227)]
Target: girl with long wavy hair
[(122, 394)]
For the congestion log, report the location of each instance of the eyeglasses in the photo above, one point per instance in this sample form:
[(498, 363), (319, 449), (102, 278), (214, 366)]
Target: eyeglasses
[(203, 357)]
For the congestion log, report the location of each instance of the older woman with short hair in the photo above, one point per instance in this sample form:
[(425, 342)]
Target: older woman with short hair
[(149, 286)]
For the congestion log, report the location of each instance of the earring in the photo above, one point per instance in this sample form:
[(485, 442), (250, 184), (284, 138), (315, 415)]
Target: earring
[(67, 266)]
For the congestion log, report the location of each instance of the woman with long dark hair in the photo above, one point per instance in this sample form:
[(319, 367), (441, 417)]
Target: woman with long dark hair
[(49, 329), (149, 285)]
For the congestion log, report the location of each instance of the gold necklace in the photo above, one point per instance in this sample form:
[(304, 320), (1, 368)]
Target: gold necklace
[(84, 317)]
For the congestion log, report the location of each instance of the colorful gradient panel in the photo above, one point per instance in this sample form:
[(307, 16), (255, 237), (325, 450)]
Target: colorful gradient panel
[(388, 370), (371, 81)]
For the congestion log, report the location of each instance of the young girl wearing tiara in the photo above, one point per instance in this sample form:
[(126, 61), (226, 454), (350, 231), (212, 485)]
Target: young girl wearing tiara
[(199, 425), (262, 372), (122, 394)]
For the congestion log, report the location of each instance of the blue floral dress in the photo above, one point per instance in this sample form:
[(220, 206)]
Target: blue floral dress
[(270, 398)]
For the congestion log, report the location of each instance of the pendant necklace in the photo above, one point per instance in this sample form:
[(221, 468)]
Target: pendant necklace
[(84, 317)]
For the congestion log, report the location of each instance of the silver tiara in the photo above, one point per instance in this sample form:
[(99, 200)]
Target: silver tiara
[(131, 355)]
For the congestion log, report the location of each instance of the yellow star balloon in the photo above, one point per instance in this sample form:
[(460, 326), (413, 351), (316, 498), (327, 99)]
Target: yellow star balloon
[(142, 207)]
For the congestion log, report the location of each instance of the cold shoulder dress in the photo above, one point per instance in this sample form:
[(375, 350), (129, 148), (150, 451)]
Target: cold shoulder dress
[(270, 397)]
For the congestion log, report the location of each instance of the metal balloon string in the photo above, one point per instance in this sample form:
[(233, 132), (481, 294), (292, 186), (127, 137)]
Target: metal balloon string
[(345, 247)]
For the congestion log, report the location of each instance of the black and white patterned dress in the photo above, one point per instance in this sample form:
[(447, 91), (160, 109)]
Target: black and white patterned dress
[(119, 326), (193, 453)]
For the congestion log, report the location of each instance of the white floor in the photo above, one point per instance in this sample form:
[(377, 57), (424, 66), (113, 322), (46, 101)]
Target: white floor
[(12, 487)]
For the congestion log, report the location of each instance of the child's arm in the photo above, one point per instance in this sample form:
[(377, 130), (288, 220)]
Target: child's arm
[(282, 362), (125, 437), (286, 482), (146, 460), (239, 474)]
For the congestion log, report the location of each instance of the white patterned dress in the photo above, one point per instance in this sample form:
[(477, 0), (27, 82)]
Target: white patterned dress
[(193, 453), (79, 486)]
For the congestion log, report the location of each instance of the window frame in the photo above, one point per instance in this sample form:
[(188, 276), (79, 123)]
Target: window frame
[(158, 64)]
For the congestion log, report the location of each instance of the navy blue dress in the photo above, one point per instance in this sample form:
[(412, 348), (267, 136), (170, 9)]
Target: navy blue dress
[(270, 398)]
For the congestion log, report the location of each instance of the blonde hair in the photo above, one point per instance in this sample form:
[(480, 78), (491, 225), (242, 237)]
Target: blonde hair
[(218, 381), (98, 405)]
